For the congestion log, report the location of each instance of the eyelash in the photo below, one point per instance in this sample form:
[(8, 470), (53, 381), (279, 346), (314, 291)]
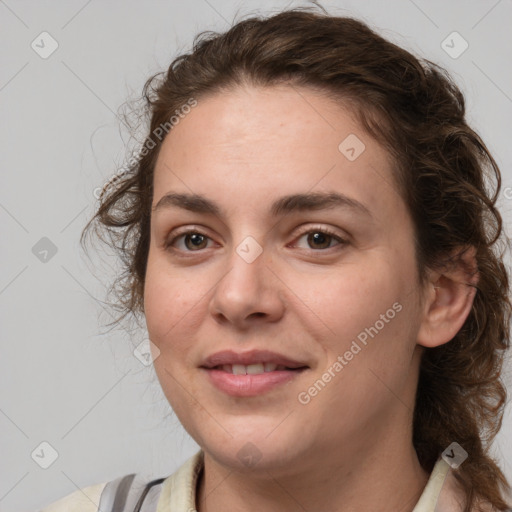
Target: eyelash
[(323, 230)]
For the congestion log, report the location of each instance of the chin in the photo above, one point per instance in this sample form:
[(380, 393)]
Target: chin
[(248, 457), (254, 445)]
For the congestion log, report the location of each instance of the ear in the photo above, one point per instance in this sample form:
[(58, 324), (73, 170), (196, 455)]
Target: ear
[(448, 299)]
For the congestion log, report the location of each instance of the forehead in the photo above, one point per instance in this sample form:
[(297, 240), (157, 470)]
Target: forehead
[(252, 144)]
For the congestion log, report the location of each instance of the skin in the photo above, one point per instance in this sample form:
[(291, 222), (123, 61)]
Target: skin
[(303, 298)]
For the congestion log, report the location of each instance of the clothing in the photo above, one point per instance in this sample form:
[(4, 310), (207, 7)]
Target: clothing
[(177, 493)]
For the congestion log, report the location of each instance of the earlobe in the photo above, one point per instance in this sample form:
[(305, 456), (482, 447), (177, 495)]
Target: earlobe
[(449, 299)]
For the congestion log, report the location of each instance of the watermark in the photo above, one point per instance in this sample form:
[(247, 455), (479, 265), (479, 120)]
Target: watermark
[(454, 45), (159, 132), (351, 147), (508, 193), (249, 249), (304, 397), (249, 455), (454, 455), (44, 45), (44, 455), (44, 250), (146, 352)]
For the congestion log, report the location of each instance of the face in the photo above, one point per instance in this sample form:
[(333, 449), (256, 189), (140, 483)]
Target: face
[(328, 287)]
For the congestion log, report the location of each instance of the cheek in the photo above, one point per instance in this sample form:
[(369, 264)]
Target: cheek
[(364, 311), (351, 298), (371, 327), (168, 300), (170, 305)]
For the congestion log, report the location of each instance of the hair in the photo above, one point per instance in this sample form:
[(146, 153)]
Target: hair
[(444, 173)]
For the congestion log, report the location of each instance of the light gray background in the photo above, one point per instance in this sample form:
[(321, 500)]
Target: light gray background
[(66, 380)]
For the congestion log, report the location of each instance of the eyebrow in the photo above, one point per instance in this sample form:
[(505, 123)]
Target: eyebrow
[(284, 205)]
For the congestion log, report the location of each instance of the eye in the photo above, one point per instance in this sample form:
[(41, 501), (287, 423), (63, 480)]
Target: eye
[(193, 240), (321, 238)]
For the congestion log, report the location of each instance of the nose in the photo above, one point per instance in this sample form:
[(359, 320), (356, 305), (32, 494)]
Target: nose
[(249, 293)]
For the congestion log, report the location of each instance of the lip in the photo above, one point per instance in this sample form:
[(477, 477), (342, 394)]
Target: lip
[(250, 357), (251, 384)]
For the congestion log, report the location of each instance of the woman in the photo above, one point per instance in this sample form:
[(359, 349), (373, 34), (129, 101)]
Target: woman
[(309, 234)]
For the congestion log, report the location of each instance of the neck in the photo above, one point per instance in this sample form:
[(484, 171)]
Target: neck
[(387, 479)]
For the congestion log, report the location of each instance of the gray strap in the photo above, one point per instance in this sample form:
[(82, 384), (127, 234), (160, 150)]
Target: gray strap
[(113, 496), (123, 494), (150, 502)]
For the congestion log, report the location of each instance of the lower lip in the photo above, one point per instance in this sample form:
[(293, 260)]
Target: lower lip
[(250, 385)]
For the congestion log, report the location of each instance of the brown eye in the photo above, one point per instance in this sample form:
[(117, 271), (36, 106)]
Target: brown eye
[(193, 241), (320, 239), (197, 240)]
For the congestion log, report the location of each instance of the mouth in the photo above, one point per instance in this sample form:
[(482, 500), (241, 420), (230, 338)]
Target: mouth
[(251, 373), (251, 362), (255, 369)]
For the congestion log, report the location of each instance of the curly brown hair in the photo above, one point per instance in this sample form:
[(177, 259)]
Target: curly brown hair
[(445, 174)]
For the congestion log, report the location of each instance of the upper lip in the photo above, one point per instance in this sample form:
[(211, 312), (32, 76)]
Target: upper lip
[(251, 357)]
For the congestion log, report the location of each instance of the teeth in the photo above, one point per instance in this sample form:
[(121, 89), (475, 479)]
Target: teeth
[(239, 369), (251, 369), (254, 369)]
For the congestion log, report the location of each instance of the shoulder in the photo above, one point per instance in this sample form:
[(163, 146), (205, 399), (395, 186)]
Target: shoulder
[(81, 500), (452, 498)]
